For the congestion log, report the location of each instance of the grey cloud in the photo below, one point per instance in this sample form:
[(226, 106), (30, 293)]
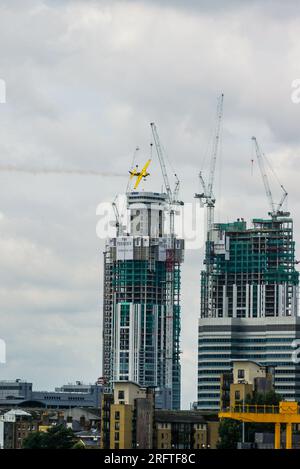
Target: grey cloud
[(84, 80)]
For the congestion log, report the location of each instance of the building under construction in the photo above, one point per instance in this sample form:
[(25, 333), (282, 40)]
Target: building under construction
[(249, 305), (141, 311), (141, 322), (250, 271), (249, 290)]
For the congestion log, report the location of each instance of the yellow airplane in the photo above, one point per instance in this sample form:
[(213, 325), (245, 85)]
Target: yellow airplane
[(139, 174)]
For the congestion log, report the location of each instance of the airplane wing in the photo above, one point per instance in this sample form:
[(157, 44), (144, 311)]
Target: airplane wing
[(132, 173), (142, 174), (145, 167), (138, 180)]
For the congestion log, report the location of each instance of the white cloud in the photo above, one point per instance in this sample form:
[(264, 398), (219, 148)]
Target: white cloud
[(84, 80)]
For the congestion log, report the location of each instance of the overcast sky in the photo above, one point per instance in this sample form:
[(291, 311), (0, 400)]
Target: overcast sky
[(84, 80)]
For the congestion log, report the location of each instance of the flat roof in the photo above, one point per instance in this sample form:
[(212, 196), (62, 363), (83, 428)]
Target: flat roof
[(183, 416)]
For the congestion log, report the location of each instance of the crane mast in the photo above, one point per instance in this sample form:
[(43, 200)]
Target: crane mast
[(215, 145), (172, 196), (117, 217), (284, 196), (264, 174), (275, 210), (206, 197), (161, 160)]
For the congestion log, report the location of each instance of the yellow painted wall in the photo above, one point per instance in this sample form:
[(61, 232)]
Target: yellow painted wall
[(44, 428), (213, 434), (163, 436), (200, 438), (243, 389), (124, 424)]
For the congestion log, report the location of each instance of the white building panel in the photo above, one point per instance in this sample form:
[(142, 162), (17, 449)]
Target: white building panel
[(124, 248)]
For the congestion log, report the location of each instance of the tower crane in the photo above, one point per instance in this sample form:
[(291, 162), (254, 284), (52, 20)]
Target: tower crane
[(117, 217), (275, 209), (176, 189), (172, 195), (206, 197)]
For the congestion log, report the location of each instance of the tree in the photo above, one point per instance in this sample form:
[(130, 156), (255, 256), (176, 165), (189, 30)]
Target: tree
[(34, 441), (269, 399), (79, 445), (59, 437), (56, 437), (229, 433)]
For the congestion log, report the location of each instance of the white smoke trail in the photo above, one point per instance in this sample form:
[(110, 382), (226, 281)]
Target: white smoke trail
[(17, 169)]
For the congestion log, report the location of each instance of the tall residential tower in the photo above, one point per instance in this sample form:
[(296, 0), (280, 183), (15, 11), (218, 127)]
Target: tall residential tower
[(141, 310), (249, 292)]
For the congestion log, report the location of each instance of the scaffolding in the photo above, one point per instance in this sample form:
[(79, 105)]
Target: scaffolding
[(250, 272), (142, 313)]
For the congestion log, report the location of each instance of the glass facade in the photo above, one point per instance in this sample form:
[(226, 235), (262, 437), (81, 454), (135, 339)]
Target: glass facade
[(268, 341)]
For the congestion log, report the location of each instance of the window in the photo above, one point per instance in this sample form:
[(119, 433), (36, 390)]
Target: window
[(117, 436), (121, 395), (117, 425), (241, 374), (237, 395), (117, 415)]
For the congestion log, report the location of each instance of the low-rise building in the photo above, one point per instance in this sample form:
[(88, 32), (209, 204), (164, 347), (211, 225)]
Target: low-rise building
[(185, 429), (127, 417), (15, 426), (20, 393), (246, 378), (129, 420), (17, 389), (89, 438)]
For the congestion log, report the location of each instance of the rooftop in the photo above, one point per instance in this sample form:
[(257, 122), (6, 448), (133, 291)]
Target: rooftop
[(184, 416), (18, 412)]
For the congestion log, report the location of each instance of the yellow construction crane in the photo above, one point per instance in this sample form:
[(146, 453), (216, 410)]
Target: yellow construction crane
[(286, 413)]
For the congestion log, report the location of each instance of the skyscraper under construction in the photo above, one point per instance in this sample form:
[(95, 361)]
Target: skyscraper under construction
[(249, 305), (250, 271), (141, 310), (249, 302)]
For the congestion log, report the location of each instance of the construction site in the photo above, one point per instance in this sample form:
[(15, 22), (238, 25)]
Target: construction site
[(141, 310), (248, 292), (248, 289), (252, 269)]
